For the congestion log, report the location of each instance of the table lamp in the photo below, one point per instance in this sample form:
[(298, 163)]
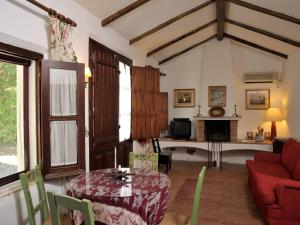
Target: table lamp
[(273, 115)]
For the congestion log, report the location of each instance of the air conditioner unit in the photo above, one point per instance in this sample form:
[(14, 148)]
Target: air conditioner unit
[(264, 77)]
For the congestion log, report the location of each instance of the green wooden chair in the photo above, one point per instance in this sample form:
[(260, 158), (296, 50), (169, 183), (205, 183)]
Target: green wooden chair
[(171, 219), (143, 160), (35, 175), (84, 206)]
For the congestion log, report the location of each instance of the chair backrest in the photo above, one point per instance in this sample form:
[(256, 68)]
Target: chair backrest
[(143, 160), (156, 146), (35, 175), (197, 196), (84, 206)]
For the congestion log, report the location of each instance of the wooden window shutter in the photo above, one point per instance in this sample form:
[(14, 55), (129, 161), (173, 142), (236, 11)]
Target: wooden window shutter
[(145, 102), (163, 108)]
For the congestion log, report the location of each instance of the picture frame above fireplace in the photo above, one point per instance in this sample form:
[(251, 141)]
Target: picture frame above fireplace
[(216, 96), (257, 99), (184, 98)]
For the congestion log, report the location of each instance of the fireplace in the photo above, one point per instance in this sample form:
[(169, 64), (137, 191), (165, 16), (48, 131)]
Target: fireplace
[(225, 128), (217, 130)]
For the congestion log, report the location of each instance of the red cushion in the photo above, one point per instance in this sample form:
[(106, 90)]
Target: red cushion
[(266, 187), (296, 174), (272, 169), (290, 155)]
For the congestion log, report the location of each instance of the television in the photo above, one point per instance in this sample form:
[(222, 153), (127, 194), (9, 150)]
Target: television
[(180, 128)]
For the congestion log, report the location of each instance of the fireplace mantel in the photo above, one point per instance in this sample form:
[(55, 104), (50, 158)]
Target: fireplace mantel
[(218, 118)]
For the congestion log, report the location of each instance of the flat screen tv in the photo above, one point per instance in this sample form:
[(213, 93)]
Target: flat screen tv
[(180, 128)]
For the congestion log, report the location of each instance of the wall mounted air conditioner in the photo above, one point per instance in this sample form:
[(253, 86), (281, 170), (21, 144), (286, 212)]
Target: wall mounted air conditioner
[(264, 77)]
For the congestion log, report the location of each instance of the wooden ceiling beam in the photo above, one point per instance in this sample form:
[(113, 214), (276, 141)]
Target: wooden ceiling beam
[(266, 33), (185, 50), (220, 10), (266, 11), (232, 37), (123, 11), (180, 38), (170, 21)]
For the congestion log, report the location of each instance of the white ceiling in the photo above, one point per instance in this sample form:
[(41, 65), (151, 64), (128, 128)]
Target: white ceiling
[(156, 12)]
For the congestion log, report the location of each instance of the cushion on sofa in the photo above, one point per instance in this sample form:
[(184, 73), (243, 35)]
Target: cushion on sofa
[(290, 155), (296, 174), (266, 187), (272, 169)]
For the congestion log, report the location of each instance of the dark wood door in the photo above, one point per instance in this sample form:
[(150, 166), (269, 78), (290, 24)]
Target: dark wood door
[(104, 103)]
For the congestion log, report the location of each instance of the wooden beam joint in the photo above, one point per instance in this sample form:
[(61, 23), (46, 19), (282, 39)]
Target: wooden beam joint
[(220, 10)]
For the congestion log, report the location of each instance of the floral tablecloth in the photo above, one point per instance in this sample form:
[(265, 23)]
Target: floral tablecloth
[(141, 200)]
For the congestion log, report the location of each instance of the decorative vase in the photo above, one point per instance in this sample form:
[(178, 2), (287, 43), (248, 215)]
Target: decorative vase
[(259, 138)]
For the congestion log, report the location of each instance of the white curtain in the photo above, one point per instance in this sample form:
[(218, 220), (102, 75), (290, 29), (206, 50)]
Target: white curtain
[(63, 136), (63, 88), (124, 102)]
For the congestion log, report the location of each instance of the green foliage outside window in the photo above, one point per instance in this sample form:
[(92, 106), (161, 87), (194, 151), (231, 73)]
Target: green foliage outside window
[(8, 103)]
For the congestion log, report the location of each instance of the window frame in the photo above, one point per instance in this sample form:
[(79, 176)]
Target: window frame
[(8, 58), (51, 172)]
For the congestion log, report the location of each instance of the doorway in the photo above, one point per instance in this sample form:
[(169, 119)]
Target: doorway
[(104, 108)]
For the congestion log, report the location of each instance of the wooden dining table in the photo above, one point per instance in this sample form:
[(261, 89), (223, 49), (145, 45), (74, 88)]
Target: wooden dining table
[(130, 197)]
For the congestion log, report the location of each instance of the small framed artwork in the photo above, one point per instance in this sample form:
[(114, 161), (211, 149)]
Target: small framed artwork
[(184, 98), (216, 96), (258, 99)]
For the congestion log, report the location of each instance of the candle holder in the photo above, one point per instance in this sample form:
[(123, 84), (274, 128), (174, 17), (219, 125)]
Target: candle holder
[(235, 113), (199, 111)]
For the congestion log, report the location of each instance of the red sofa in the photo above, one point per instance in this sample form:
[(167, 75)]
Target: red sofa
[(274, 180)]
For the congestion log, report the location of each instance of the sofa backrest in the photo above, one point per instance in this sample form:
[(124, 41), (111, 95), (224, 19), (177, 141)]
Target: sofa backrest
[(296, 174), (290, 155)]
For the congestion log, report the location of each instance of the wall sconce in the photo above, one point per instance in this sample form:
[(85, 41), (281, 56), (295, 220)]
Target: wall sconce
[(87, 74)]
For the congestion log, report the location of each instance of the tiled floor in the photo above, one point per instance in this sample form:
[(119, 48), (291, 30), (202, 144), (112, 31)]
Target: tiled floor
[(225, 200)]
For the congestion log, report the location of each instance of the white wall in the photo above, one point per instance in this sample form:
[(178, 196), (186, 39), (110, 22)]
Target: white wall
[(221, 63), (291, 93), (24, 25)]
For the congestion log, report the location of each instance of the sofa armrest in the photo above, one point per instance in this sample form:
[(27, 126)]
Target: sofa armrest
[(288, 198), (267, 157)]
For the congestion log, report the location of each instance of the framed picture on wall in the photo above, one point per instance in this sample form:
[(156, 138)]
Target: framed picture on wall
[(216, 96), (184, 98), (258, 99)]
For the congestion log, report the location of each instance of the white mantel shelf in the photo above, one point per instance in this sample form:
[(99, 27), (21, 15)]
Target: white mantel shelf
[(241, 145), (218, 118)]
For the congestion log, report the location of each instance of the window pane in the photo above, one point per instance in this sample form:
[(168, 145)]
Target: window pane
[(124, 102), (63, 140), (11, 119), (63, 85)]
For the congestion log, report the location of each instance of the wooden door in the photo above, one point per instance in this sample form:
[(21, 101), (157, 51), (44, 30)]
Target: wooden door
[(104, 102)]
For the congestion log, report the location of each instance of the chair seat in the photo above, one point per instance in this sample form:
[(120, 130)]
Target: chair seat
[(172, 219), (65, 220)]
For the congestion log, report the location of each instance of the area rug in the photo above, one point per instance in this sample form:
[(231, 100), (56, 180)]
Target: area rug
[(225, 200)]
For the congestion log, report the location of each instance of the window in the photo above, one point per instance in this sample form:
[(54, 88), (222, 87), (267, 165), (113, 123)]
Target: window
[(124, 102), (62, 118), (14, 132)]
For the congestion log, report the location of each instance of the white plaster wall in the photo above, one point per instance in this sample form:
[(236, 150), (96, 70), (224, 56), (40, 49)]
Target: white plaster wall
[(221, 63), (24, 25), (291, 93), (183, 73)]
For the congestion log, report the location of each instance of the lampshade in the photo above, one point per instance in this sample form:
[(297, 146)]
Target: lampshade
[(273, 114), (87, 74)]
